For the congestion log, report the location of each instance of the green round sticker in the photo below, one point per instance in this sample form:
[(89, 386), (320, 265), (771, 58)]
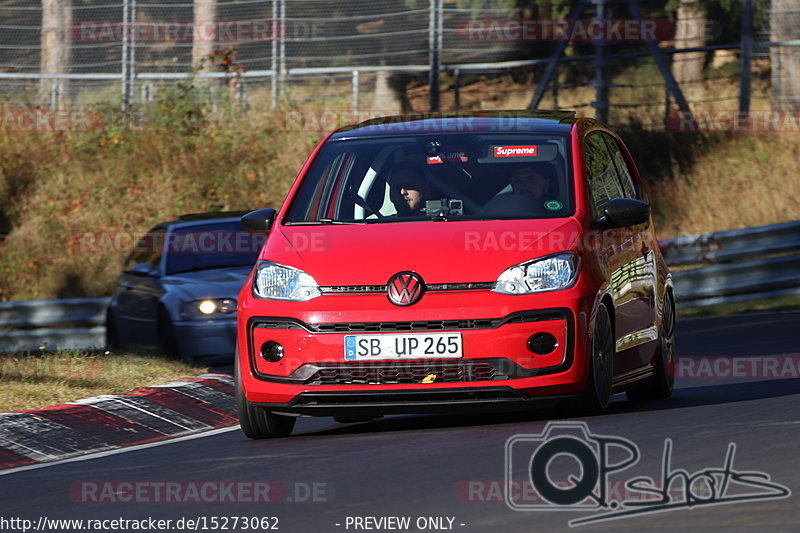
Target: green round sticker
[(553, 205)]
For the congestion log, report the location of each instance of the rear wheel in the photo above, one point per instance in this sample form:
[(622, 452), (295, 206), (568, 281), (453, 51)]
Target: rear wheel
[(597, 394), (112, 332), (663, 381), (257, 422)]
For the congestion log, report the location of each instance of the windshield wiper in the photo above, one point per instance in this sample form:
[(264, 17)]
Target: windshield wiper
[(208, 267)]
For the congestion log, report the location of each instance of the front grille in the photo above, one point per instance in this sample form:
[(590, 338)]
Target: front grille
[(434, 287), (383, 374), (334, 289), (427, 325), (416, 325)]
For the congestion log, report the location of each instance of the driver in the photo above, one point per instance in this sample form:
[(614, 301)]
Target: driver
[(409, 189)]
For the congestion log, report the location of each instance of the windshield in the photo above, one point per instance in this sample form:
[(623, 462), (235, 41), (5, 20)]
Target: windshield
[(436, 177), (213, 245)]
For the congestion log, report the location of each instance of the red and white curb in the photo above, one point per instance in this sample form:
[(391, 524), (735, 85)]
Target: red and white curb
[(102, 423)]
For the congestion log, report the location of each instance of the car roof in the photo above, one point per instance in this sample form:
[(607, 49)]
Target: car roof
[(523, 121), (199, 219)]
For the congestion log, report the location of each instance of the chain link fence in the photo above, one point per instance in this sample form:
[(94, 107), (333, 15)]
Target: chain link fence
[(66, 53)]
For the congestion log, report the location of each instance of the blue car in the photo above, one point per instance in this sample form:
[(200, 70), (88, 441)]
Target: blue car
[(177, 293)]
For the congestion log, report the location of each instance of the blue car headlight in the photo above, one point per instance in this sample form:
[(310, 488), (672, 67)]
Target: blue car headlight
[(209, 309)]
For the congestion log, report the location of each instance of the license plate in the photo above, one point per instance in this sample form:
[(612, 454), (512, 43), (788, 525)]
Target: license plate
[(406, 346)]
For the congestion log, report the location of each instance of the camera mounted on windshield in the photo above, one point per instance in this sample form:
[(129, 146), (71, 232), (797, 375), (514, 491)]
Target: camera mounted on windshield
[(446, 207)]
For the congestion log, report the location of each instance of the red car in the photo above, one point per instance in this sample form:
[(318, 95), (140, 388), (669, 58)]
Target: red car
[(455, 263)]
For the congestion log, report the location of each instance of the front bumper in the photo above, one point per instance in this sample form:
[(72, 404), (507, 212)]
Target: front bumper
[(497, 368), (209, 341), (382, 402)]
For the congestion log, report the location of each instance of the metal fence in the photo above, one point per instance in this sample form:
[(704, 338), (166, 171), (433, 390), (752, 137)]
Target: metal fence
[(266, 52), (76, 323)]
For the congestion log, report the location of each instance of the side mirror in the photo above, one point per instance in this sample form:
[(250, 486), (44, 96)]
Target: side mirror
[(143, 269), (259, 220), (624, 212)]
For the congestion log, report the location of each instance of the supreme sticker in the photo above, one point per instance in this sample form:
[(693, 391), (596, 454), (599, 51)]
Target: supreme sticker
[(455, 157), (514, 151)]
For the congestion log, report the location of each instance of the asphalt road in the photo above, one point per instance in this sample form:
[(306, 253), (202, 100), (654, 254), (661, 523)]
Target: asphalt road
[(434, 469)]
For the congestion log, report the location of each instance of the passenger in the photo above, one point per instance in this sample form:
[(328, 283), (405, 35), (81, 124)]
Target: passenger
[(527, 181)]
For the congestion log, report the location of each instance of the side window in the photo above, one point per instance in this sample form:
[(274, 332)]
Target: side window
[(603, 180), (624, 171), (148, 249), (317, 197)]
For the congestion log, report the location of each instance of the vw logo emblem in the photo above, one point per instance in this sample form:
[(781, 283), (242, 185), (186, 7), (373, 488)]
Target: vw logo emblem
[(405, 288)]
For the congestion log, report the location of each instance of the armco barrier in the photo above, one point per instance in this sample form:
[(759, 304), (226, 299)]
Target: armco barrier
[(732, 245), (76, 323)]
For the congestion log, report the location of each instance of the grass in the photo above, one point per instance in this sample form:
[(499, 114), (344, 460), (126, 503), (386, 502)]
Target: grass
[(75, 202), (72, 203), (34, 381)]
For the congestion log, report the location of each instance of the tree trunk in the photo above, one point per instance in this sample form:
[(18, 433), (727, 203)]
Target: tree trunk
[(690, 32), (785, 59), (205, 21), (56, 50), (391, 97)]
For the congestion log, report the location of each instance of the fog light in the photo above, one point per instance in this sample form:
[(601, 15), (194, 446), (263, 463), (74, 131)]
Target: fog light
[(272, 351), (542, 343)]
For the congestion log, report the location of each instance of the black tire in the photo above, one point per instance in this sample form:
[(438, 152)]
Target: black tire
[(597, 394), (112, 332), (257, 422), (167, 342), (661, 384)]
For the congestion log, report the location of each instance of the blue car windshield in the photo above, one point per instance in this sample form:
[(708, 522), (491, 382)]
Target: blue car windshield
[(208, 246), (437, 176)]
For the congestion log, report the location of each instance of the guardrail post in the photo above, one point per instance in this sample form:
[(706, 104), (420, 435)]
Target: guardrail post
[(600, 82), (276, 31), (55, 90), (355, 93), (282, 48), (745, 56), (434, 57), (241, 93), (456, 89)]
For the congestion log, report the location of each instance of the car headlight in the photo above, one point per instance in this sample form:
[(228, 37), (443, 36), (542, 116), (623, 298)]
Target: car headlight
[(209, 308), (551, 273), (279, 282)]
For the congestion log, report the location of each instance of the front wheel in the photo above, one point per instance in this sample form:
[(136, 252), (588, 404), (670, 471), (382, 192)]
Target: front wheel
[(597, 394), (257, 422)]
